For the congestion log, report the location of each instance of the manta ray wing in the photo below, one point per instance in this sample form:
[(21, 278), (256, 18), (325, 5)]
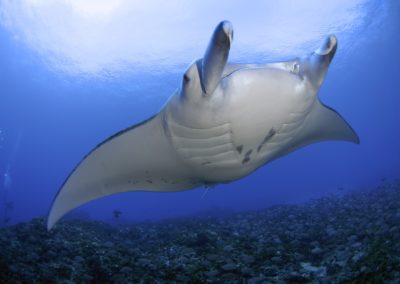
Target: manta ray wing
[(138, 158), (322, 124)]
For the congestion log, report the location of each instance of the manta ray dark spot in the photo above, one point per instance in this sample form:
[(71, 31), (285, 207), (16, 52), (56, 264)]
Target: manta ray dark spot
[(239, 149), (269, 135), (247, 156), (245, 160), (149, 181)]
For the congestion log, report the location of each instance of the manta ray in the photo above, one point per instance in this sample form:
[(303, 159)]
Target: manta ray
[(224, 122)]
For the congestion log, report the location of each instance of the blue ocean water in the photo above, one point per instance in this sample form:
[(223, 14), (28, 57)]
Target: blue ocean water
[(62, 93)]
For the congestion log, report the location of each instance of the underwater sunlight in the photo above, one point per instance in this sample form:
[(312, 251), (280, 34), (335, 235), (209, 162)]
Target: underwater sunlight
[(110, 111)]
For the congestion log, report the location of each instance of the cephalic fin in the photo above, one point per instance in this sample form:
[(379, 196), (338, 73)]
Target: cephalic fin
[(216, 56)]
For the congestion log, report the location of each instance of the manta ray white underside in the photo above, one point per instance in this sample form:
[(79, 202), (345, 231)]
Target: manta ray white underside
[(224, 122)]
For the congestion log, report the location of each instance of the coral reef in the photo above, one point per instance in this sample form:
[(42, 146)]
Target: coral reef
[(347, 239)]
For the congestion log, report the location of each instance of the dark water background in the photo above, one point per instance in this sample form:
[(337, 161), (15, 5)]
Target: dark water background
[(49, 120)]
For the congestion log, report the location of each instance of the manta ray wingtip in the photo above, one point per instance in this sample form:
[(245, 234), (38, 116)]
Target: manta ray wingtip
[(357, 139), (49, 224)]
